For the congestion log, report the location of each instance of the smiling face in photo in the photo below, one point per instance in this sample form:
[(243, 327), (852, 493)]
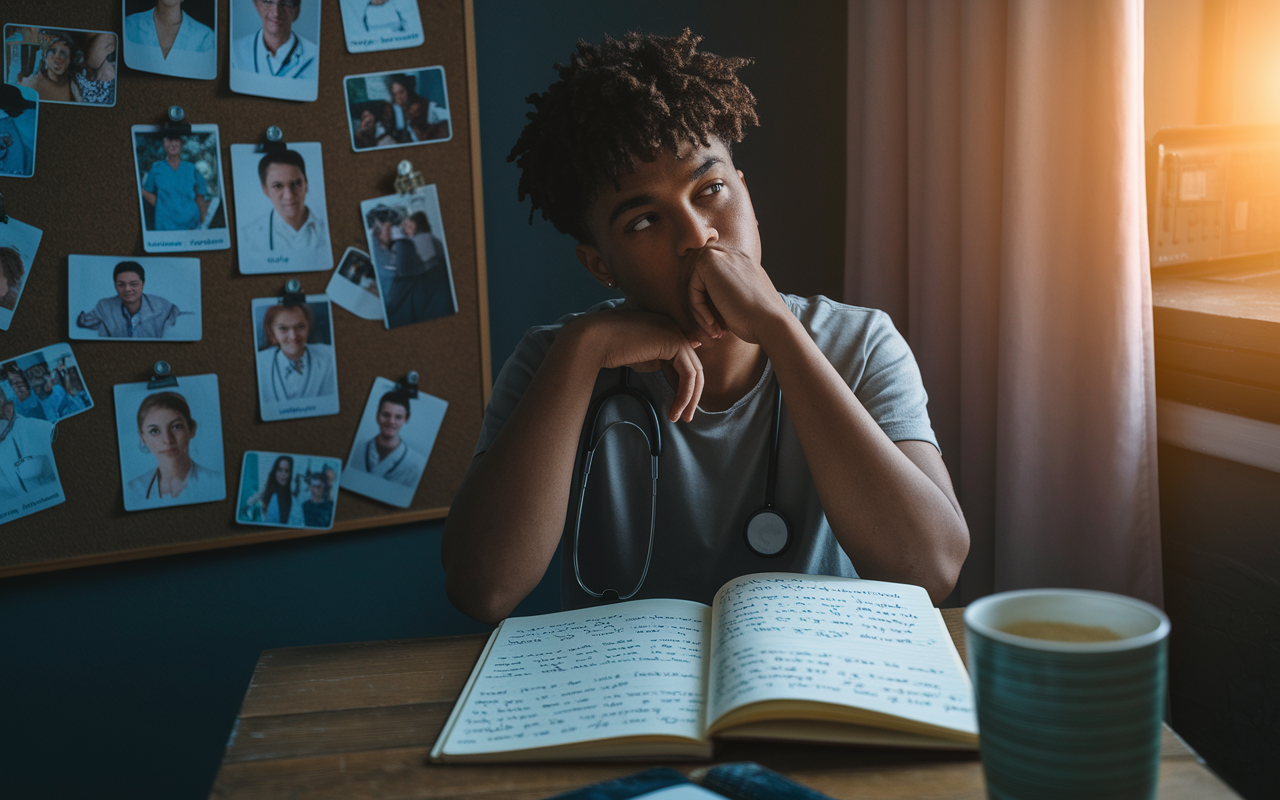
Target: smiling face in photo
[(57, 58), (290, 331), (278, 17), (129, 288), (391, 418), (286, 187)]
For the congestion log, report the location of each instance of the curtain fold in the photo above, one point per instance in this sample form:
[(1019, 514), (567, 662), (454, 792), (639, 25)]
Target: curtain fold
[(997, 212)]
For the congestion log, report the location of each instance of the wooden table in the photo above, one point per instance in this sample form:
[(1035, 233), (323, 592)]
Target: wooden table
[(358, 720)]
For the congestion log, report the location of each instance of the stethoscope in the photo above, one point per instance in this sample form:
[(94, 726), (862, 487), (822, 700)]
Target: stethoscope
[(271, 230), (277, 377), (767, 533), (296, 41)]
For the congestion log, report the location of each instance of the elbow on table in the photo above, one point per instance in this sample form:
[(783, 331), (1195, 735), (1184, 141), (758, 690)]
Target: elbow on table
[(943, 570)]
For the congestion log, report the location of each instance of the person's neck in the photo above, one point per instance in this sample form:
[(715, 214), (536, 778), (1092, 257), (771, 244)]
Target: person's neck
[(174, 161), (300, 221), (274, 41), (730, 368), (60, 80), (169, 16), (174, 469), (386, 446), (133, 307)]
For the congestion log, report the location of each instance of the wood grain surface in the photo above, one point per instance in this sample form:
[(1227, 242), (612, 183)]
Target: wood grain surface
[(357, 721)]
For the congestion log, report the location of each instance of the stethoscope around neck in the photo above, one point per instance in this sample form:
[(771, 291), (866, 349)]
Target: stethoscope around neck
[(766, 533)]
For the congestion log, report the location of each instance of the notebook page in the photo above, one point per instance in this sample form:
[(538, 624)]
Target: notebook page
[(869, 644), (628, 669)]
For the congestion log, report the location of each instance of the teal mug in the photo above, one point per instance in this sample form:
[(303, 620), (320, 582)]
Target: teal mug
[(1070, 688)]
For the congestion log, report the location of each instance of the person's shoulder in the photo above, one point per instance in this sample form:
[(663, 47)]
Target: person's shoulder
[(830, 320), (323, 351), (138, 485), (135, 25), (32, 426), (201, 33)]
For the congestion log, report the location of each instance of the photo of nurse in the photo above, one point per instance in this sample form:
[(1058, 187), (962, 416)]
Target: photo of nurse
[(287, 490)]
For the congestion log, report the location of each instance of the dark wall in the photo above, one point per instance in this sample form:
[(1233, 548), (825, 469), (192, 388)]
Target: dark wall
[(122, 681)]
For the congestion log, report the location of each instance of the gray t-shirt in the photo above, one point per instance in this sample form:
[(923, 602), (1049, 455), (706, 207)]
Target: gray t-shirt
[(712, 471)]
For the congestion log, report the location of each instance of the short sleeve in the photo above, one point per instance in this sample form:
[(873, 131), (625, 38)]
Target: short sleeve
[(202, 188), (149, 180), (513, 380)]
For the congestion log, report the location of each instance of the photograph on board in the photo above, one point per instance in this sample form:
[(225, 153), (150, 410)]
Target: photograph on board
[(273, 48), (63, 65), (170, 443), (398, 109), (381, 24), (297, 369), (180, 189), (172, 37), (18, 244), (19, 123), (288, 490), (405, 235), (146, 299), (354, 286), (28, 474), (45, 384), (392, 444), (280, 208)]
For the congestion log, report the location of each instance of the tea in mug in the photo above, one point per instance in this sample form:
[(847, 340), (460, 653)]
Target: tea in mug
[(1060, 631)]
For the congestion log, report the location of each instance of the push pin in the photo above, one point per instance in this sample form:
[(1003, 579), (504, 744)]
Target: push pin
[(162, 376), (410, 384), (410, 179), (176, 126), (293, 295), (275, 139)]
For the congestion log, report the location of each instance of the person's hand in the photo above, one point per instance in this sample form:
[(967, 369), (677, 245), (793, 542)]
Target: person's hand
[(645, 341), (729, 291)]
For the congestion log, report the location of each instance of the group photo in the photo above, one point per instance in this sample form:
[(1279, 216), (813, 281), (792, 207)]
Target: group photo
[(63, 65), (410, 259)]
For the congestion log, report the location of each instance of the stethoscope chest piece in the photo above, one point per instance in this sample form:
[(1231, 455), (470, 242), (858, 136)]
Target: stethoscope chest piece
[(768, 533)]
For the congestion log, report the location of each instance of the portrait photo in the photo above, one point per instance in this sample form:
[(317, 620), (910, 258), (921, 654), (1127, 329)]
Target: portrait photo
[(19, 124), (297, 369), (354, 286), (131, 298), (392, 444), (398, 109), (274, 50), (380, 24), (287, 490), (63, 65), (45, 384), (406, 242), (172, 37), (170, 443), (180, 189), (28, 473), (18, 244), (281, 222)]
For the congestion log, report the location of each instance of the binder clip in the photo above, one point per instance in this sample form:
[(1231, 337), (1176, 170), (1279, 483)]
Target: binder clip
[(293, 295), (174, 125), (4, 218), (409, 384), (410, 179), (162, 376), (274, 142)]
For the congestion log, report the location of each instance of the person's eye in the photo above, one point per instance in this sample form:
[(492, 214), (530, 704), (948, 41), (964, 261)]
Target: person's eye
[(643, 222), (714, 188)]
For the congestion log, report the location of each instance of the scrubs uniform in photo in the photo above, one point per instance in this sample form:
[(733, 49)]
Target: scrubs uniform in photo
[(175, 191)]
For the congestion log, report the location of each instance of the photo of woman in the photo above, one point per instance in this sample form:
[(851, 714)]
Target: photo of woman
[(398, 109), (95, 81), (180, 188), (18, 244), (172, 38), (287, 490), (297, 369), (410, 257), (170, 452), (63, 65), (52, 79)]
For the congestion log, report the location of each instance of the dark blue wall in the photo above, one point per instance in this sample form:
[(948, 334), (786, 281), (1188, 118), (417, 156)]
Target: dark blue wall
[(122, 681)]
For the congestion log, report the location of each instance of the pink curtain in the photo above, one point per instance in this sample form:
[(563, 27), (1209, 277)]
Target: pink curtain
[(997, 210)]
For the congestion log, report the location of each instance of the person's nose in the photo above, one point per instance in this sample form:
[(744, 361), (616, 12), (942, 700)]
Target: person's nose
[(694, 230)]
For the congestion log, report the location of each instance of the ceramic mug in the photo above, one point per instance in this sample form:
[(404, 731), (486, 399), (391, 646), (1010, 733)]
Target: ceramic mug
[(1068, 719)]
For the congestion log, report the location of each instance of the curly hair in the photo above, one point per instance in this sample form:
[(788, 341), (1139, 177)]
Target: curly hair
[(619, 103)]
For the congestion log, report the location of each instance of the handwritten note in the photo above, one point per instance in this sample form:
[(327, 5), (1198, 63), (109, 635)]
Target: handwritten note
[(862, 643), (589, 674)]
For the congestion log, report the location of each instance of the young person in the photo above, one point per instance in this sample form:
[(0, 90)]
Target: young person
[(130, 313), (629, 153)]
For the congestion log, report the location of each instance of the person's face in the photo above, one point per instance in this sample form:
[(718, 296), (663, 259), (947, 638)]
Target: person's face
[(38, 378), (20, 386), (166, 433), (409, 226), (286, 187), (129, 287), (391, 417), (650, 231), (57, 58), (367, 121), (283, 472), (317, 491), (277, 17), (172, 147), (399, 94), (290, 330), (102, 46), (4, 284)]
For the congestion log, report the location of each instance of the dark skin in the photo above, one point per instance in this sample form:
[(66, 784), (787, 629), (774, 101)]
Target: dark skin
[(679, 238)]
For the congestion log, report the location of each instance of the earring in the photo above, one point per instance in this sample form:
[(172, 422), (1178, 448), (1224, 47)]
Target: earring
[(142, 446), (611, 284)]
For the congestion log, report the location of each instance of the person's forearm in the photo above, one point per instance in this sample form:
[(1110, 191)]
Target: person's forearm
[(506, 520), (893, 521), (150, 197)]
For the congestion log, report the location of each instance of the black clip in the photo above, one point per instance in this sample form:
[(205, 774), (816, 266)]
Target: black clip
[(174, 127), (4, 218), (275, 141), (293, 295), (162, 377), (409, 385)]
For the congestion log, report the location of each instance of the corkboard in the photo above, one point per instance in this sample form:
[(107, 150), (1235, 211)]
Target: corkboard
[(84, 197)]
